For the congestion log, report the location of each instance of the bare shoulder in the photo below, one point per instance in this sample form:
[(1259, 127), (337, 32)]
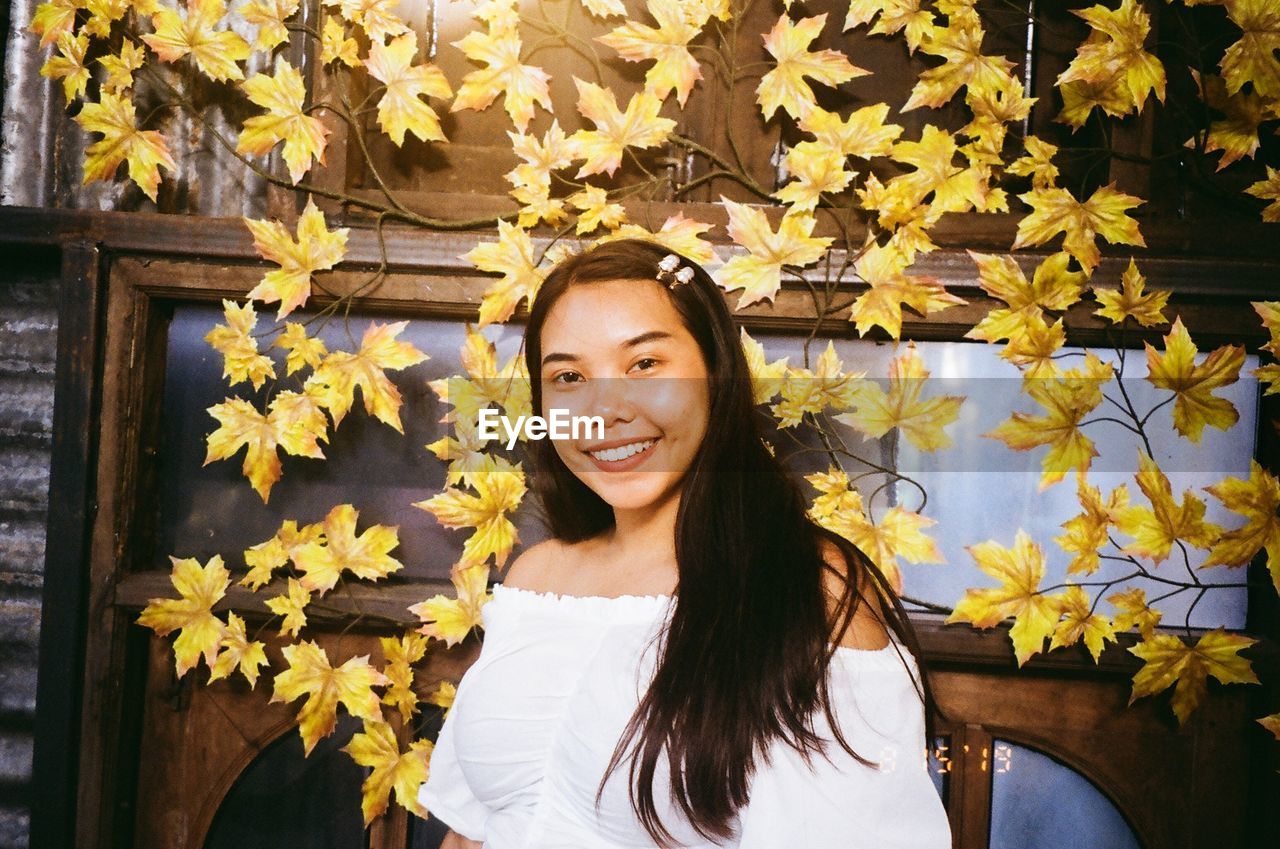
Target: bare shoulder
[(867, 630), (532, 568)]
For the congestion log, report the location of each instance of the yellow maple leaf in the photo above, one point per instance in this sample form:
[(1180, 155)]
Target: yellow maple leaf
[(68, 65), (678, 234), (759, 272), (1113, 56), (241, 425), (965, 66), (1132, 300), (818, 170), (309, 674), (1269, 312), (863, 134), (444, 695), (1155, 529), (1067, 399), (639, 126), (215, 52), (335, 46), (1268, 189), (104, 13), (1055, 211), (1080, 623), (238, 652), (317, 249), (1036, 163), (53, 19), (400, 654), (464, 452), (835, 493), (1052, 287), (282, 95), (894, 16), (521, 85), (375, 17), (401, 109), (292, 606), (1252, 59), (812, 391), (1171, 661), (1194, 404), (766, 377), (954, 188), (1088, 531), (539, 156), (303, 350), (784, 85), (486, 383), (1133, 611), (145, 150), (1034, 345), (882, 268), (191, 615), (920, 420), (269, 17), (365, 556), (675, 69), (120, 67), (378, 749), (1236, 135), (1019, 570), (241, 359), (595, 210), (342, 372), (451, 619), (899, 533), (604, 8), (498, 492), (1257, 499), (265, 557), (512, 257)]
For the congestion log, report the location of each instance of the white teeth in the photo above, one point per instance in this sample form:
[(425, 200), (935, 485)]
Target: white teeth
[(622, 452)]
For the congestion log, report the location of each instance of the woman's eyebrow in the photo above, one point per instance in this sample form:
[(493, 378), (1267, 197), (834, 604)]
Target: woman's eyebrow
[(650, 336)]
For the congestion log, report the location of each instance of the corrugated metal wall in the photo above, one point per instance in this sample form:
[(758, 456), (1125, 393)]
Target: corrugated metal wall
[(28, 344)]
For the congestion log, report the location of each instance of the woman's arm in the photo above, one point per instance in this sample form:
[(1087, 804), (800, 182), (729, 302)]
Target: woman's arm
[(453, 840)]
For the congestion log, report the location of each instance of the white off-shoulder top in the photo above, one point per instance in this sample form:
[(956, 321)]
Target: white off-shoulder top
[(537, 716)]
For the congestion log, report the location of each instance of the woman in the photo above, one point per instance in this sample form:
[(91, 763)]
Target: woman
[(685, 612)]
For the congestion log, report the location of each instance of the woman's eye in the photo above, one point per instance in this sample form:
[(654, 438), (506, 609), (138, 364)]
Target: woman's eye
[(645, 364), (567, 377)]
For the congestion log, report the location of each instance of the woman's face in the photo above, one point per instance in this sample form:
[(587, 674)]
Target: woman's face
[(619, 350)]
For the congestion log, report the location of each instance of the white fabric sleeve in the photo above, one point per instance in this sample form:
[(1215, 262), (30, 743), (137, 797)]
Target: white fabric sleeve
[(839, 803), (446, 793)]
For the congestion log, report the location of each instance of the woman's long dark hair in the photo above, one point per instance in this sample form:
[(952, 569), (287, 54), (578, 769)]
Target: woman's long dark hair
[(744, 658)]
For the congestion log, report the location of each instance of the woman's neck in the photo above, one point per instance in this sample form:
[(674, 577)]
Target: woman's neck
[(646, 537)]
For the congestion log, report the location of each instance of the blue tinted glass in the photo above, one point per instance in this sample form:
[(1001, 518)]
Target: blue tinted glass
[(1038, 803), (285, 799)]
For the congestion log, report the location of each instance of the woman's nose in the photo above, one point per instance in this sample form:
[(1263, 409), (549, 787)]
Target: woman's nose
[(612, 400)]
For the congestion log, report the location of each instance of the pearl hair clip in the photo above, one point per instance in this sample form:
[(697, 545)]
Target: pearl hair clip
[(669, 276)]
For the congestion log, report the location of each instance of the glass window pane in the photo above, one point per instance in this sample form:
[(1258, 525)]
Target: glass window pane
[(1039, 803), (206, 510), (980, 489), (285, 799)]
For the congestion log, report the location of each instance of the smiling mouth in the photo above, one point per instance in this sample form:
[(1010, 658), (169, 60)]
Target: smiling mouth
[(621, 453)]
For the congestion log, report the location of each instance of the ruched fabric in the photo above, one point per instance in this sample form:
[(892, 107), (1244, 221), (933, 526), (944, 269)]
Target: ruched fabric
[(536, 718)]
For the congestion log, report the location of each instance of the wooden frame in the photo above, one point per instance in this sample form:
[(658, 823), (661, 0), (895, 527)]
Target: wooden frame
[(117, 267)]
